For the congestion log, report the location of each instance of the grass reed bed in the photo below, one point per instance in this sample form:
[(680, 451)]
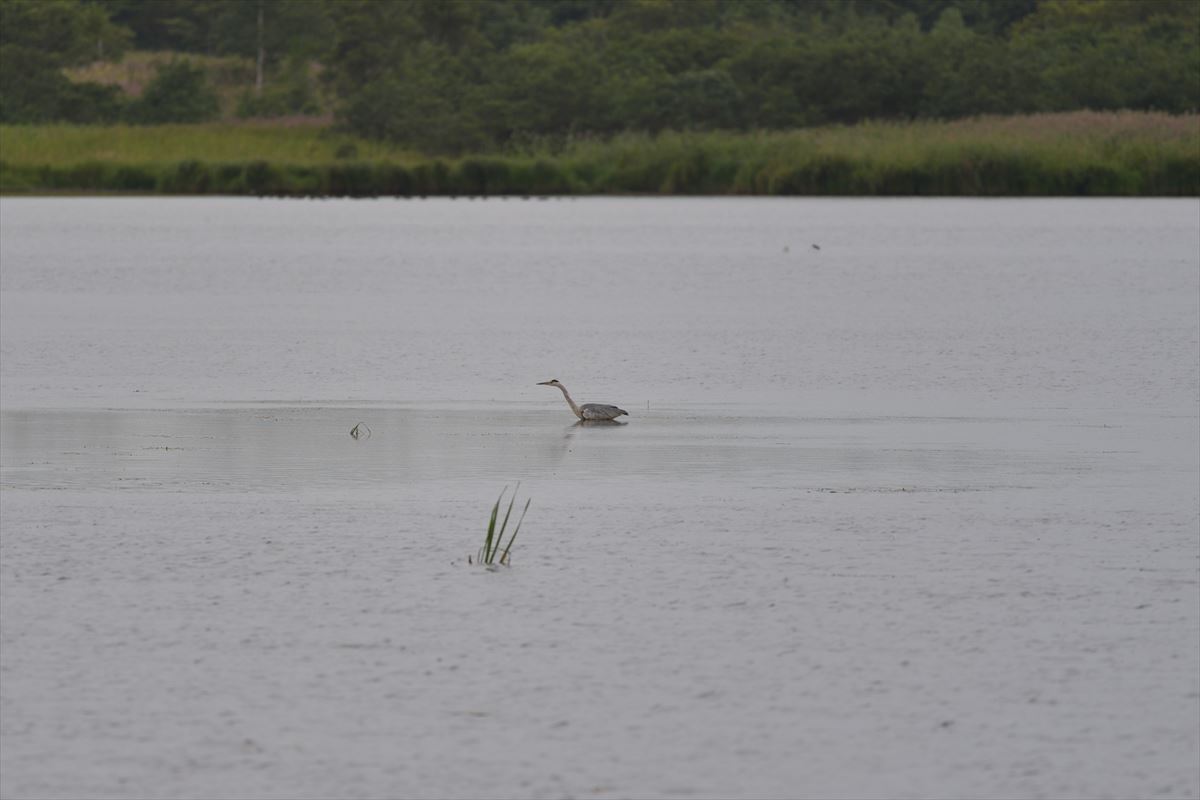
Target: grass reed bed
[(159, 146), (1074, 154)]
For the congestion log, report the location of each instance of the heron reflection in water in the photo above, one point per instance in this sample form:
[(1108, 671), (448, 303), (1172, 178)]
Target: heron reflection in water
[(588, 412)]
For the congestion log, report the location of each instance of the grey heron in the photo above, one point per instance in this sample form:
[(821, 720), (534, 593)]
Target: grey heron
[(587, 411)]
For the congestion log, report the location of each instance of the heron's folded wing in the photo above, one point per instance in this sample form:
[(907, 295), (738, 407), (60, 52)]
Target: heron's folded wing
[(600, 411)]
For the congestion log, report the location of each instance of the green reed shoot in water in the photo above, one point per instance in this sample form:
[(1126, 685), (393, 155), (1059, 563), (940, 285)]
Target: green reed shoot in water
[(494, 540)]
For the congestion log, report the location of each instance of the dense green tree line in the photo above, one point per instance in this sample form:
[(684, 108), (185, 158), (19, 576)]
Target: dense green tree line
[(459, 75)]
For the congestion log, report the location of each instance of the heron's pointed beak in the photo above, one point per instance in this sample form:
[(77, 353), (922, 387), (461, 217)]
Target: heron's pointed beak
[(543, 383)]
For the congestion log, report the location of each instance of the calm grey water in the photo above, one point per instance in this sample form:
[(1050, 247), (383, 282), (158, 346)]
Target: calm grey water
[(921, 306), (910, 512)]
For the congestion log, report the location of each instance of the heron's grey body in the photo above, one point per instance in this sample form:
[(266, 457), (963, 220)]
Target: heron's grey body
[(588, 411)]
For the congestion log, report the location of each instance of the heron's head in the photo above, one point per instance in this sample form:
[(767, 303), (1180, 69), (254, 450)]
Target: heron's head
[(551, 382)]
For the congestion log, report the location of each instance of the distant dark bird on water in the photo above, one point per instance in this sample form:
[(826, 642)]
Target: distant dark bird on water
[(587, 411), (816, 247)]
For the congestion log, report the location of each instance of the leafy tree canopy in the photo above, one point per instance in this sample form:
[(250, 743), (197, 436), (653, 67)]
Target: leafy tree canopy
[(450, 75)]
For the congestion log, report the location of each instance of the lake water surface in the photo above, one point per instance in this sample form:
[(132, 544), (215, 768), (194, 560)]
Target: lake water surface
[(907, 503)]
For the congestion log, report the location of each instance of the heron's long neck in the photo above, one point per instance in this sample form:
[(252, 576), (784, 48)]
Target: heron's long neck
[(571, 402)]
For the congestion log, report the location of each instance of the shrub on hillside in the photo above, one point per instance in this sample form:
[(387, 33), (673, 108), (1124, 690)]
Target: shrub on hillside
[(33, 89), (178, 93)]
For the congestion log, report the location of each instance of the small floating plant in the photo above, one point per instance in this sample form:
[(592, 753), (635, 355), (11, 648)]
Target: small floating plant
[(491, 553)]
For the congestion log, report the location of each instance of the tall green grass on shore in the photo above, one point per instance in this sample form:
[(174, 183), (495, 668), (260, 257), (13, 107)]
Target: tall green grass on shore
[(299, 143), (1078, 153)]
